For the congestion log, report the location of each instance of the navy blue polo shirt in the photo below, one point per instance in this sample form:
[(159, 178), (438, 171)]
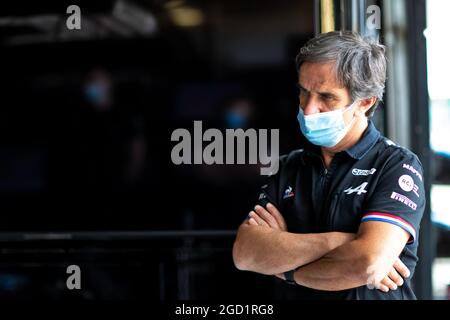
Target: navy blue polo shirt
[(374, 180)]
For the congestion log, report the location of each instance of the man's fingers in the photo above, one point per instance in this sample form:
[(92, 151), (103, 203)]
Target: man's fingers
[(401, 268), (258, 219), (389, 283), (383, 288), (267, 217), (271, 217), (277, 215), (394, 276), (252, 222)]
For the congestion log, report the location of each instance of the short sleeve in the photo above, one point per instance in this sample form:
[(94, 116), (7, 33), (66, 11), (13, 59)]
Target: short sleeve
[(399, 195)]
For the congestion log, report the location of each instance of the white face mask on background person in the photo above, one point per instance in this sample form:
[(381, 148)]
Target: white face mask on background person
[(325, 129)]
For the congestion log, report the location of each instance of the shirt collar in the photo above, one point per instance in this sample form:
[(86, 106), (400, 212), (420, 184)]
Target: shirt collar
[(366, 143)]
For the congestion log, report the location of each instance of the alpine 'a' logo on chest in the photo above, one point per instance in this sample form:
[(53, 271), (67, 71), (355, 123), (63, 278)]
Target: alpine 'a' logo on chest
[(359, 189)]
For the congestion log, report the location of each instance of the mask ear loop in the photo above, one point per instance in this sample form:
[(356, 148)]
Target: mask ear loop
[(354, 118), (350, 106)]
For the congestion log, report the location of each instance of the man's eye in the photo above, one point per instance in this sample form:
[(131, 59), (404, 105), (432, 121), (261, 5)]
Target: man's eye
[(327, 97)]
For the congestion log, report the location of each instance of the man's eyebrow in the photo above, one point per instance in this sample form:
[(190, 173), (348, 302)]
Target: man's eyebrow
[(322, 93), (329, 94)]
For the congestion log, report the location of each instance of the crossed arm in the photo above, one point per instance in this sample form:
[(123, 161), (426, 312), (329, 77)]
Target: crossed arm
[(327, 261), (267, 247)]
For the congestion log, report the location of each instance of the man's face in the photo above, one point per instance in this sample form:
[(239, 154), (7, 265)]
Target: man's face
[(319, 89)]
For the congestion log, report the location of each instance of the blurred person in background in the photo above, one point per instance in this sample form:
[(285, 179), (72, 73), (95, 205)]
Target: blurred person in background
[(112, 141)]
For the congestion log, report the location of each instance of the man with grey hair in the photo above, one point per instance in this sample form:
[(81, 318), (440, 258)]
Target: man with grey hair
[(340, 219)]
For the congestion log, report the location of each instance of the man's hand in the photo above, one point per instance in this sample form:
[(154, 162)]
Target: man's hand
[(394, 279), (269, 217)]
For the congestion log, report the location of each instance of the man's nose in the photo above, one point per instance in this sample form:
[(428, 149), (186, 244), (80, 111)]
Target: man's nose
[(310, 107)]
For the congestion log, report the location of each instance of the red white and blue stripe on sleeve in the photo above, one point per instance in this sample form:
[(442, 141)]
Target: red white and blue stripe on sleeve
[(389, 218)]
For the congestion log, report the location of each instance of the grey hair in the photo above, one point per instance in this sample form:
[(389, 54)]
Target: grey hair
[(360, 62)]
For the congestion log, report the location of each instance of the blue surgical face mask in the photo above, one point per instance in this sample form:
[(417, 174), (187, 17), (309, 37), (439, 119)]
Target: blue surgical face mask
[(325, 129)]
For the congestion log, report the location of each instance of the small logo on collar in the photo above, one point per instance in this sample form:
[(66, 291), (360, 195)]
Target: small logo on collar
[(288, 193)]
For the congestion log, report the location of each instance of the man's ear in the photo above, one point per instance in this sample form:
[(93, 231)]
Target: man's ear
[(366, 104)]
